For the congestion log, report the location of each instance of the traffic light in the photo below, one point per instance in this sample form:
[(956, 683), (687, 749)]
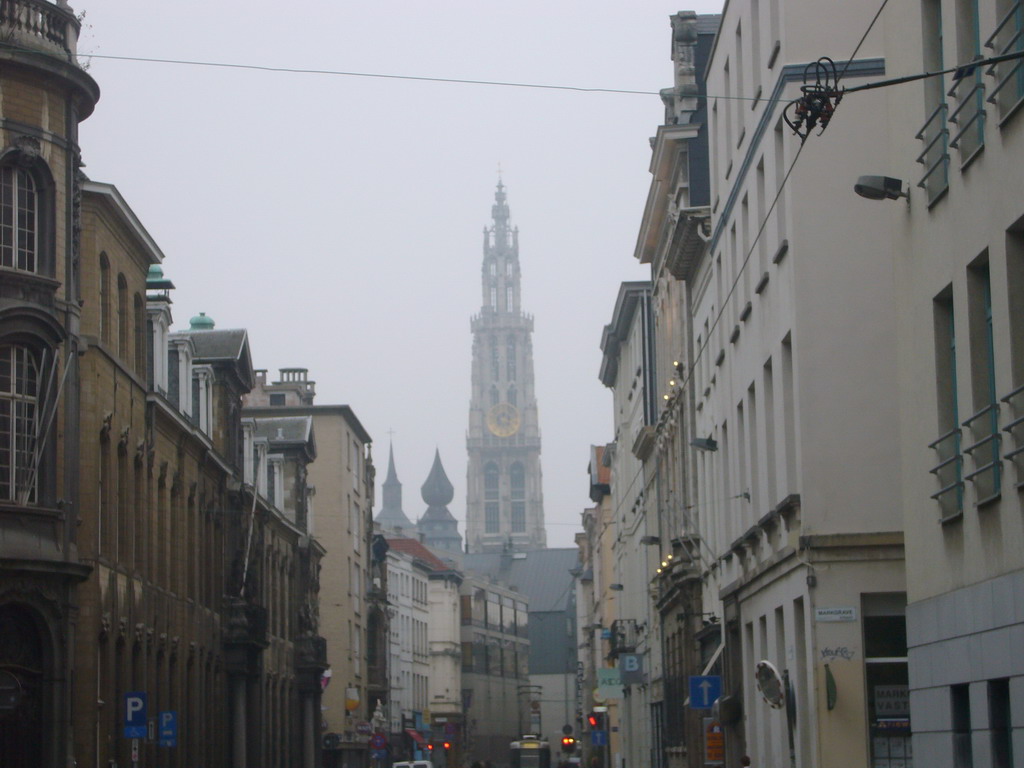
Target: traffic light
[(568, 744), (595, 721), (447, 745), (430, 747)]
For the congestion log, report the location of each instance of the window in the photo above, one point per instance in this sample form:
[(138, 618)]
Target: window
[(983, 426), (494, 297), (960, 703), (508, 299), (105, 328), (19, 393), (277, 398), (122, 318), (139, 323), (949, 471), (517, 480), (968, 116), (510, 362), (999, 723), (495, 368), (1008, 38), (512, 394), (493, 269), (508, 269), (19, 214), (933, 134), (491, 498), (494, 394)]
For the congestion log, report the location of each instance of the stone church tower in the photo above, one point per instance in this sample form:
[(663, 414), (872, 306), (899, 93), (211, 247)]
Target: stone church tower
[(505, 503)]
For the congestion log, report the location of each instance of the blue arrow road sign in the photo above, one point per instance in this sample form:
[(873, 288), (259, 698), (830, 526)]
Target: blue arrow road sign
[(167, 726), (599, 738), (704, 690), (135, 715)]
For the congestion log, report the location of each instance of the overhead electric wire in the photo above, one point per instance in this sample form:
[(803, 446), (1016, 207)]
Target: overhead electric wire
[(962, 69), (862, 39)]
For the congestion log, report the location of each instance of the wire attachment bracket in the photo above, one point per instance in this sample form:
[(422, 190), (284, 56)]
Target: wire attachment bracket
[(818, 101)]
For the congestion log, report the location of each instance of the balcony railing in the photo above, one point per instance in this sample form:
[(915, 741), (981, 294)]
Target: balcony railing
[(984, 450), (950, 474), (624, 637), (935, 156), (1008, 91), (1015, 429), (969, 115), (39, 25)]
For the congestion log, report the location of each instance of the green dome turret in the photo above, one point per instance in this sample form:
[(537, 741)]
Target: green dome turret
[(201, 323)]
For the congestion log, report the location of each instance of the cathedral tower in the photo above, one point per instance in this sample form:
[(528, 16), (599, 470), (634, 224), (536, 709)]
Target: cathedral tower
[(505, 502)]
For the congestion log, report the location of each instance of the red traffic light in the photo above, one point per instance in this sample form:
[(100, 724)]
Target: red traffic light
[(430, 747), (447, 745), (594, 720)]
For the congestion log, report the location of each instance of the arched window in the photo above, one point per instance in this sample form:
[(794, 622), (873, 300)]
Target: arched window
[(19, 219), (494, 394), (122, 317), (491, 498), (517, 482), (19, 411), (510, 360), (508, 299), (512, 394), (495, 370), (105, 328), (494, 297), (493, 269), (508, 269)]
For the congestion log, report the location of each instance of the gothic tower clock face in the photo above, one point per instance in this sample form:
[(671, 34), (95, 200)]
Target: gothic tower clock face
[(503, 420), (504, 497)]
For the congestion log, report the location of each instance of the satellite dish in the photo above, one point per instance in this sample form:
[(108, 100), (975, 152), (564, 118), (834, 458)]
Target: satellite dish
[(769, 683)]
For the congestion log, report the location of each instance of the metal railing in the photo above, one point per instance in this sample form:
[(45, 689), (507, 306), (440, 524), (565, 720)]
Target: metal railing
[(935, 156), (984, 429), (1015, 429), (950, 474), (969, 115), (1008, 91)]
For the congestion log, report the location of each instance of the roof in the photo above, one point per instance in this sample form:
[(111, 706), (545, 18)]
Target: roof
[(543, 575), (288, 429), (219, 345), (344, 411), (617, 331), (418, 551)]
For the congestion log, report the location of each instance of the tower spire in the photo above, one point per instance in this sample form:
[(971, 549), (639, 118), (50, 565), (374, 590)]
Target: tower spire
[(391, 517)]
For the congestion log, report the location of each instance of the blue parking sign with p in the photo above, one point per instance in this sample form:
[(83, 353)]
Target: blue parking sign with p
[(168, 729), (135, 715)]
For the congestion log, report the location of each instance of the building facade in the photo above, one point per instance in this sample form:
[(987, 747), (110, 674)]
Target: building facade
[(957, 144), (504, 490), (633, 648), (352, 579), (45, 94), (497, 699), (793, 325)]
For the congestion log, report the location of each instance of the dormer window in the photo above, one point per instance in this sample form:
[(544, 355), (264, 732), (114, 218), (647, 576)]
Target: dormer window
[(275, 481), (202, 398)]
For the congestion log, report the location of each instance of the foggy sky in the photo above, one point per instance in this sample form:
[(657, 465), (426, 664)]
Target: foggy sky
[(340, 219)]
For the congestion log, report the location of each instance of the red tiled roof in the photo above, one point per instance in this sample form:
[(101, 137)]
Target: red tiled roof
[(418, 551)]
